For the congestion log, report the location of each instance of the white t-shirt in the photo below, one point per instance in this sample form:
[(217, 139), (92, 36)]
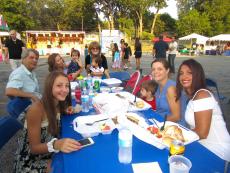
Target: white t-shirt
[(218, 139), (173, 48), (97, 69)]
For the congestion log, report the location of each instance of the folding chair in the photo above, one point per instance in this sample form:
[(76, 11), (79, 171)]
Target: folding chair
[(211, 84), (133, 81), (124, 76), (8, 127), (138, 87)]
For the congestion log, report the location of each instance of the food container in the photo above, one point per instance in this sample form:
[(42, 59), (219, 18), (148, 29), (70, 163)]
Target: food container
[(105, 89), (116, 89), (112, 82)]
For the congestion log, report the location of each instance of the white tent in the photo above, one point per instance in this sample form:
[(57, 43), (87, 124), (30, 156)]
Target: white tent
[(200, 39), (221, 37)]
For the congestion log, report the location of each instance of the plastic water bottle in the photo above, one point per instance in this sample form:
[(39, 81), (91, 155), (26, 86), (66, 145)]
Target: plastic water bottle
[(125, 139), (85, 103), (91, 95)]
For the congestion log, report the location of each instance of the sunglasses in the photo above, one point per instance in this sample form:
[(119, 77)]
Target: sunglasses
[(95, 48)]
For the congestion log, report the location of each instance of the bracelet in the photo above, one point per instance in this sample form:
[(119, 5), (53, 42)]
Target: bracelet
[(50, 146)]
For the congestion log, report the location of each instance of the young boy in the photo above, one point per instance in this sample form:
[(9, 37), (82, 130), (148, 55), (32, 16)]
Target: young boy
[(96, 69), (148, 89), (75, 67)]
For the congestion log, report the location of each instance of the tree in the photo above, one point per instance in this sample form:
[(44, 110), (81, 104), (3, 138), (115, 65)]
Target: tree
[(193, 22), (15, 14), (138, 8), (158, 4), (109, 9)]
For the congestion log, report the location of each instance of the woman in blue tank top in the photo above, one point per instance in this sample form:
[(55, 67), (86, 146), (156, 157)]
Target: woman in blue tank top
[(166, 104)]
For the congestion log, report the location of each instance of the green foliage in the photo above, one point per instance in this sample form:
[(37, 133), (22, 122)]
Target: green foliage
[(215, 11), (193, 22), (169, 23), (15, 14), (147, 36)]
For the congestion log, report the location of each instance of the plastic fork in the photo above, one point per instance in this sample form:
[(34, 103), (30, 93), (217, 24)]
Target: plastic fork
[(90, 124)]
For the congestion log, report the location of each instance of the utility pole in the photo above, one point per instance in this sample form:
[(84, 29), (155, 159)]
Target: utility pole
[(82, 23)]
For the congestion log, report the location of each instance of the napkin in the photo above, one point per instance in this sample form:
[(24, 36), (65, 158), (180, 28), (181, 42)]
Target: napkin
[(151, 167)]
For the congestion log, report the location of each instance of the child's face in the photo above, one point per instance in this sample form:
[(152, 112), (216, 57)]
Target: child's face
[(145, 94), (75, 56)]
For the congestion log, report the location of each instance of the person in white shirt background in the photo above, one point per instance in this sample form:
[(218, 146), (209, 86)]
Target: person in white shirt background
[(172, 54)]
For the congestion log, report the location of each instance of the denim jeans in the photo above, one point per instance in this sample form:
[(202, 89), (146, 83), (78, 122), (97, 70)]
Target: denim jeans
[(17, 105), (171, 59)]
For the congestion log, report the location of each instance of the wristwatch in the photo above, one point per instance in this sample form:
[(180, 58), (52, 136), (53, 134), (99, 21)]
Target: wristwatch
[(50, 146)]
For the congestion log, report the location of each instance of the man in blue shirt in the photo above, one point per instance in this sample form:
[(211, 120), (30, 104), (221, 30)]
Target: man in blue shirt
[(22, 86), (160, 48)]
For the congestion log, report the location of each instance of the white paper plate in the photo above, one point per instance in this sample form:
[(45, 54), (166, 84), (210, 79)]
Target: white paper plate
[(130, 98), (80, 126), (112, 82), (140, 130), (188, 134)]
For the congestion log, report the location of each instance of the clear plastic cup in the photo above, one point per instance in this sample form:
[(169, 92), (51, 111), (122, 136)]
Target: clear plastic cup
[(179, 164)]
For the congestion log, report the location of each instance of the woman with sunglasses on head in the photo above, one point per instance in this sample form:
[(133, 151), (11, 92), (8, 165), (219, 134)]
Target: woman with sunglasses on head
[(94, 51), (203, 113)]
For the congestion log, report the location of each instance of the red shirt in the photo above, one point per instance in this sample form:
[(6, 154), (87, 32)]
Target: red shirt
[(152, 103)]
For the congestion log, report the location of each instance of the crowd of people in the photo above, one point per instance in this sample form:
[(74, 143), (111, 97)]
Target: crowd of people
[(41, 113)]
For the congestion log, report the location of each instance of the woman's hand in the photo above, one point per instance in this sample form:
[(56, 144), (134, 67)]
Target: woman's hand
[(67, 145)]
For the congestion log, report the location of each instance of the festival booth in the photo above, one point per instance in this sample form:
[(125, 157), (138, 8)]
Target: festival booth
[(48, 42), (195, 43), (220, 40), (109, 37)]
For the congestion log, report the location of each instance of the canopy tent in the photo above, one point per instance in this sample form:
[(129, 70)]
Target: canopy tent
[(221, 37), (200, 39)]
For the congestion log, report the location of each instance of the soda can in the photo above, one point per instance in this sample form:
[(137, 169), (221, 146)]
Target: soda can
[(176, 148), (96, 86)]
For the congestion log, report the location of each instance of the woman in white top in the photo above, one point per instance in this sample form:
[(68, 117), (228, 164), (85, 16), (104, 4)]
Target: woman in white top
[(203, 112)]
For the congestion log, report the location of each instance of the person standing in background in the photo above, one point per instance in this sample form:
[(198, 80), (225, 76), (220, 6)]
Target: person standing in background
[(172, 54), (13, 50), (160, 48), (86, 52), (138, 53)]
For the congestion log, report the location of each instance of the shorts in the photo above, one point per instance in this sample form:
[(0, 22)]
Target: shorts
[(138, 54)]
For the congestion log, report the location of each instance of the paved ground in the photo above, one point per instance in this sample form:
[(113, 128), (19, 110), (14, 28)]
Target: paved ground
[(216, 67)]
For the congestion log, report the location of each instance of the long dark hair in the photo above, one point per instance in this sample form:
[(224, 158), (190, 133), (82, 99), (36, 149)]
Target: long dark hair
[(51, 62), (50, 107), (198, 77)]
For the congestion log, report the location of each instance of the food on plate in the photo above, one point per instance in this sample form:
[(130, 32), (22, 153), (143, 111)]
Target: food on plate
[(140, 104), (71, 110), (168, 135), (114, 119), (133, 119), (105, 127), (174, 132), (167, 140), (155, 131)]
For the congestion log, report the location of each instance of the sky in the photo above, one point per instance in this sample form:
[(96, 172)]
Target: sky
[(171, 9)]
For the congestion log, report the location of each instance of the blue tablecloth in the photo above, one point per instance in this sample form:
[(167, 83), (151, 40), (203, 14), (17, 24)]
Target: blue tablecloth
[(102, 157)]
